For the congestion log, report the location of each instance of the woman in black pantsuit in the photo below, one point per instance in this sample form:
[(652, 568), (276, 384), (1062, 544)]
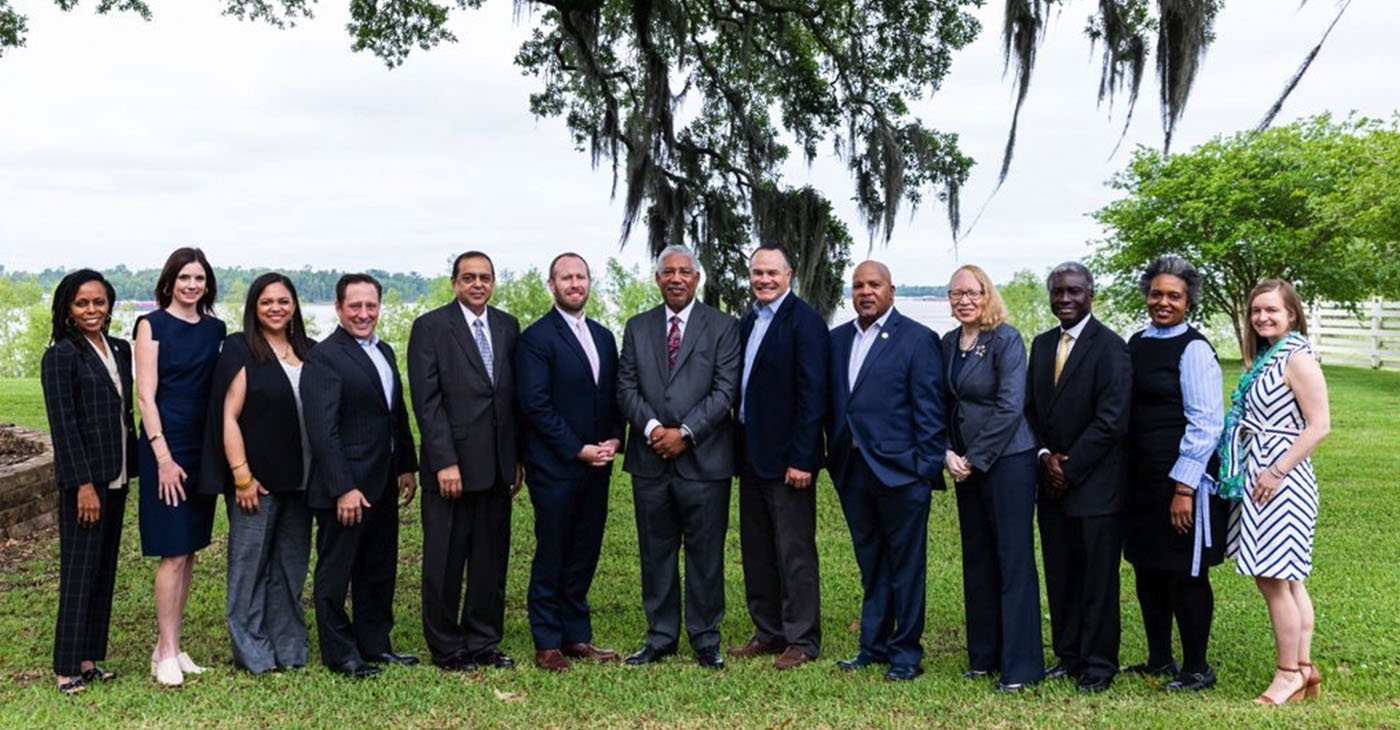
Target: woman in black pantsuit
[(86, 376)]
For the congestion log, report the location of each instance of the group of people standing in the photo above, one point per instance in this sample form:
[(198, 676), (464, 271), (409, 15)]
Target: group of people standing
[(1114, 443)]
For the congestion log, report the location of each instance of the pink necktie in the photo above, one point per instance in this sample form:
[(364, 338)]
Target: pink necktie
[(586, 340)]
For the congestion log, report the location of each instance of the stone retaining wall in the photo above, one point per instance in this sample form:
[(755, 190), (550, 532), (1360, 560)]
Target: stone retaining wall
[(28, 502)]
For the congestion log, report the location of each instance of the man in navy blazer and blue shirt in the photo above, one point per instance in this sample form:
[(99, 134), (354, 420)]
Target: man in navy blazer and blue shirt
[(782, 402), (886, 438), (566, 381), (361, 448)]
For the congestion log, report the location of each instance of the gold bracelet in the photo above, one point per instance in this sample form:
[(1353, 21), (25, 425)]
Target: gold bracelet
[(240, 486), (154, 437), (241, 463)]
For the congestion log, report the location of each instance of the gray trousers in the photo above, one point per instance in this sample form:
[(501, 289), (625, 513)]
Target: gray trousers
[(268, 552), (673, 512)]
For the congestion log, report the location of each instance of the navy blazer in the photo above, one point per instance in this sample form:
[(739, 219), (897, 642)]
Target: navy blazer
[(561, 407), (988, 401), (785, 400), (90, 423), (895, 413), (357, 440)]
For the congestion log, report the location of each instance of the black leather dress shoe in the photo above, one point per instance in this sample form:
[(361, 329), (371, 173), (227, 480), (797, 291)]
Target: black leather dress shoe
[(903, 672), (356, 669), (1170, 669), (1094, 685), (648, 654), (1059, 671), (859, 661), (976, 674), (389, 657), (494, 658), (709, 658), (1192, 681), (458, 662)]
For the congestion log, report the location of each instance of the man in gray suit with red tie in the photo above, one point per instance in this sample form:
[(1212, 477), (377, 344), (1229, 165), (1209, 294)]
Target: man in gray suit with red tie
[(677, 380)]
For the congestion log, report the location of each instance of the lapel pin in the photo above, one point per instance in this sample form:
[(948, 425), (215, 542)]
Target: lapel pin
[(884, 335)]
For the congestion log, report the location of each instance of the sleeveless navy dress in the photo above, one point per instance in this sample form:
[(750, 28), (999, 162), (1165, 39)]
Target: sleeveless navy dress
[(185, 367)]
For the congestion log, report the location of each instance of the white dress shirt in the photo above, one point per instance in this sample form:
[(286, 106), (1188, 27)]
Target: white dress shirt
[(863, 342), (386, 374), (579, 324)]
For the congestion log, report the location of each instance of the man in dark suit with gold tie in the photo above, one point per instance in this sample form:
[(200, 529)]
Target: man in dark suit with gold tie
[(462, 379)]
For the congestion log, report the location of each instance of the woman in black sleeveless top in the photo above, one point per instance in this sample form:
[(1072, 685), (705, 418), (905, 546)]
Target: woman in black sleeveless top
[(1176, 526)]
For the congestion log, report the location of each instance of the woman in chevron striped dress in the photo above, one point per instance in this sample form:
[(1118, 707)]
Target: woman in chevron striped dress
[(1284, 415)]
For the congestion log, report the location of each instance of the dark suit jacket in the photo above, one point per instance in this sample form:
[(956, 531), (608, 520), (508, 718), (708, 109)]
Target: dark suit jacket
[(786, 394), (1085, 416), (988, 401), (464, 417), (357, 440), (269, 423), (561, 407), (698, 393), (895, 414), (90, 423)]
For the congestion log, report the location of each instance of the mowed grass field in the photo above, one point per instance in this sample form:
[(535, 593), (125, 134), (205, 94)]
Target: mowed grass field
[(1356, 587)]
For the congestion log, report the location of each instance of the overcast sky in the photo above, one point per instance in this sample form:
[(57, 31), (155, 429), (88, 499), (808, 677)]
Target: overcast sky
[(121, 139)]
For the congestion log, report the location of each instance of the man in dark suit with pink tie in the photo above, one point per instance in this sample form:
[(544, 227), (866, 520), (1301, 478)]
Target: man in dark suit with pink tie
[(566, 377)]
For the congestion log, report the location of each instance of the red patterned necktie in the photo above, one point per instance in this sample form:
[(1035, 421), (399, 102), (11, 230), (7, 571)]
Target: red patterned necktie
[(673, 342)]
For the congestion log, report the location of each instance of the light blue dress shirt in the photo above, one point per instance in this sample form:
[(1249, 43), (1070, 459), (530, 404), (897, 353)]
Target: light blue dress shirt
[(386, 374), (760, 328)]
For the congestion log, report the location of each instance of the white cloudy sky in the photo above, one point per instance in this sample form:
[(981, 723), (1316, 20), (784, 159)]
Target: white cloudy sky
[(121, 139)]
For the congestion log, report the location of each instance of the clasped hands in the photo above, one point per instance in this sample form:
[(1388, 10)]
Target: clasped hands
[(668, 443), (350, 507), (1052, 474), (599, 454)]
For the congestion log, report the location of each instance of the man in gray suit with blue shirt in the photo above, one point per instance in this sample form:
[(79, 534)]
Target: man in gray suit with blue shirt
[(678, 377)]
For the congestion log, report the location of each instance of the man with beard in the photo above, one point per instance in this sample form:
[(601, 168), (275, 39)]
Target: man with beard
[(463, 383), (1079, 385), (566, 378), (677, 380)]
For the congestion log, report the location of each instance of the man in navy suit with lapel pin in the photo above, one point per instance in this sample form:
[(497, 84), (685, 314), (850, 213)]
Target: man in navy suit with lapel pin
[(782, 402), (886, 438), (361, 450), (463, 386), (566, 384)]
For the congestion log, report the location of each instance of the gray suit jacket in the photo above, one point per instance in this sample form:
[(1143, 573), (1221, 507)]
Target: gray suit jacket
[(988, 402), (698, 393)]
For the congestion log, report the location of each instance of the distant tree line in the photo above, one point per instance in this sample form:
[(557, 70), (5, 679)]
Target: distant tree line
[(313, 285)]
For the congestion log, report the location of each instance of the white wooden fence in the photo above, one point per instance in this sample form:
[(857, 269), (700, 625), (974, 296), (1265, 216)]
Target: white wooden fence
[(1370, 337)]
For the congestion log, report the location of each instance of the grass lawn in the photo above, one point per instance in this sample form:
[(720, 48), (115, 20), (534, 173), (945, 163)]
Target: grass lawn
[(1356, 588)]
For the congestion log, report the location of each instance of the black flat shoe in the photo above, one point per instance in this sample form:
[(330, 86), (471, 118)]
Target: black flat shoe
[(98, 674), (1094, 685), (709, 658), (649, 654), (859, 661), (389, 657), (72, 686), (356, 669), (1059, 671), (1192, 681), (494, 658), (1170, 669)]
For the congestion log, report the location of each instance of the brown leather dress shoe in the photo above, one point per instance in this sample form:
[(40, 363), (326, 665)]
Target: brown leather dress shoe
[(584, 650), (551, 660), (791, 657), (753, 647)]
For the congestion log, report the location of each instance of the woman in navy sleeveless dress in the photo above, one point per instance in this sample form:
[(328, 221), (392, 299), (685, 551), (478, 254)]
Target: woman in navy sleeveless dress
[(176, 350)]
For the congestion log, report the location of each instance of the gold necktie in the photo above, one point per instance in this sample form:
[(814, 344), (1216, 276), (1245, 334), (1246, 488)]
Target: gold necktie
[(1062, 354)]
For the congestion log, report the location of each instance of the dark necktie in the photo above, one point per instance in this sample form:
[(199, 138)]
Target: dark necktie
[(673, 342)]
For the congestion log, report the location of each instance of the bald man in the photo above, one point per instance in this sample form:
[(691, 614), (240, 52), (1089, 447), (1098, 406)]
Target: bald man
[(886, 437)]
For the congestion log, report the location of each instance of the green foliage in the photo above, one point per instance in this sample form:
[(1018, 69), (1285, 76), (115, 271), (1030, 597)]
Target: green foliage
[(628, 292), (313, 285), (25, 326), (526, 296), (1027, 304), (1307, 202)]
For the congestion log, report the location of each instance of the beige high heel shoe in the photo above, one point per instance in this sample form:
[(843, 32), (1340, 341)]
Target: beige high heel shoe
[(187, 664), (1265, 699), (167, 672)]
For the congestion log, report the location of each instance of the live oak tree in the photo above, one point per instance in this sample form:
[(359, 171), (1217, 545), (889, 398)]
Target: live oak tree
[(1314, 202), (696, 105)]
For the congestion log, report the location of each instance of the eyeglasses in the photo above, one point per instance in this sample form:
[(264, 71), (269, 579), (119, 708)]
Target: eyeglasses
[(971, 295)]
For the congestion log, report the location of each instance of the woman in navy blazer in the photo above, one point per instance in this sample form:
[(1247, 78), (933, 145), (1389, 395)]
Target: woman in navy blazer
[(991, 458), (86, 376)]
